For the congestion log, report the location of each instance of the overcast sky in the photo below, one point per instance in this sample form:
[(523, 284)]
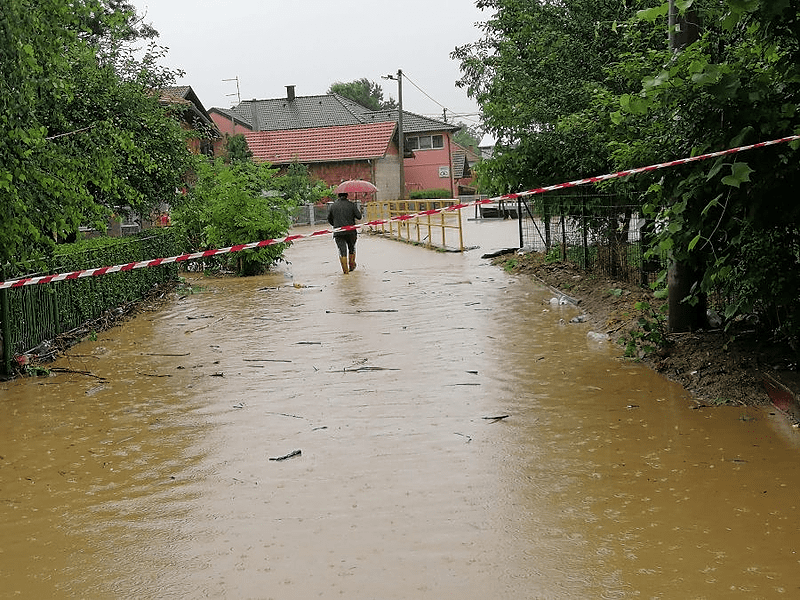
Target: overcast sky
[(269, 44)]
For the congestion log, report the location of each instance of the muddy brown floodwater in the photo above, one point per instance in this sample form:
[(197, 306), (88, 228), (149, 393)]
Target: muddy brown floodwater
[(153, 479)]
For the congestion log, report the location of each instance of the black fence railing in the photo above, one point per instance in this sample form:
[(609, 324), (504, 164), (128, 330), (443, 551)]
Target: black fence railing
[(602, 232), (33, 314)]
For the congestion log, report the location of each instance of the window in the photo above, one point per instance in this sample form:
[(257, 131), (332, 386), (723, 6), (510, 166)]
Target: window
[(424, 142)]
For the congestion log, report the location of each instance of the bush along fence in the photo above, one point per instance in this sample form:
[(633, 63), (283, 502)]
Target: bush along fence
[(33, 316), (602, 232)]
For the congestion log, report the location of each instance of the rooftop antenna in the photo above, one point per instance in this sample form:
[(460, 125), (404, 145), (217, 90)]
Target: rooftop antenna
[(237, 94), (238, 99)]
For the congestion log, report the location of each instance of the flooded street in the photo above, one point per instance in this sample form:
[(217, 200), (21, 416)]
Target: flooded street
[(151, 475)]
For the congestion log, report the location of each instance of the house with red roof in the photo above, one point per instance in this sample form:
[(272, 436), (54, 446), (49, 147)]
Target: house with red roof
[(339, 139), (335, 154)]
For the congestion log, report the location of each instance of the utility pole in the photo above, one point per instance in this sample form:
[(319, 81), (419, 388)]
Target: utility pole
[(400, 134)]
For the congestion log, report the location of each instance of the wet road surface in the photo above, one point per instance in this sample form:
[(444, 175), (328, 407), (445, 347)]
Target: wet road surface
[(151, 476)]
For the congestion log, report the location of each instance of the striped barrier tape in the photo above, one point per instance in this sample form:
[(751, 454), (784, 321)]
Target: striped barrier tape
[(672, 163), (15, 283)]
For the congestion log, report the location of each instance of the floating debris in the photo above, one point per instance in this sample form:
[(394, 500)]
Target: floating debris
[(497, 418), (285, 456)]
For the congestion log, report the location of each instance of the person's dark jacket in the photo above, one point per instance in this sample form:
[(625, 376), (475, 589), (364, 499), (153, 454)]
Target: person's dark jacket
[(342, 213)]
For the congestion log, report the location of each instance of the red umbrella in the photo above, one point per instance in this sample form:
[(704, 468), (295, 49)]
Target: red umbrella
[(355, 185)]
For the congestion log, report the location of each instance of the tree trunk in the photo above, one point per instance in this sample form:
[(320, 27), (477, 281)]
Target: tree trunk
[(683, 316), (680, 276)]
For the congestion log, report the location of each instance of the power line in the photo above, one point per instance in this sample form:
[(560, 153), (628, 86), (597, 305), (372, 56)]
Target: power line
[(424, 92), (466, 116)]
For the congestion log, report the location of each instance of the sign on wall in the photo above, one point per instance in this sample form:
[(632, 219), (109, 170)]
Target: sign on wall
[(444, 171)]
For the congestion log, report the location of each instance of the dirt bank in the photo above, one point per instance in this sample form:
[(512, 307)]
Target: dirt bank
[(749, 369)]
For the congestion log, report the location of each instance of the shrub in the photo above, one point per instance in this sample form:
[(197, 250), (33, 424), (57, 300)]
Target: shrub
[(429, 194)]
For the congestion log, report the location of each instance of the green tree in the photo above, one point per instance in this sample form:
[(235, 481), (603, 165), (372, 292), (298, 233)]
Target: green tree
[(363, 91), (231, 204), (237, 149), (535, 72), (82, 136), (298, 186), (468, 136), (580, 87), (736, 84)]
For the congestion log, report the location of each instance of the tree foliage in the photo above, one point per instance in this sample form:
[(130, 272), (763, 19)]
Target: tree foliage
[(534, 73), (363, 91), (737, 84), (239, 202), (297, 185), (82, 134), (579, 87), (237, 149), (468, 136)]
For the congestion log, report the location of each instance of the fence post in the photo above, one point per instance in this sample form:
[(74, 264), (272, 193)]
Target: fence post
[(584, 228), (546, 219), (54, 295), (460, 233), (5, 328), (519, 222)]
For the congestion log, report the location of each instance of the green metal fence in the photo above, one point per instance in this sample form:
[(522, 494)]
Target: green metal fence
[(32, 314)]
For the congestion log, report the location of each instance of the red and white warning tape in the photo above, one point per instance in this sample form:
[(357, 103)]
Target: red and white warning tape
[(664, 165), (15, 283)]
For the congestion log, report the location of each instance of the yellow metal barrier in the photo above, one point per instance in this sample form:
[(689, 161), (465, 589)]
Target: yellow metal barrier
[(427, 230)]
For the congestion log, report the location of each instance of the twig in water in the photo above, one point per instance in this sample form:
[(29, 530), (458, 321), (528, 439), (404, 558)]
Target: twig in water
[(497, 418), (65, 370), (265, 360), (204, 326), (285, 415), (285, 456)]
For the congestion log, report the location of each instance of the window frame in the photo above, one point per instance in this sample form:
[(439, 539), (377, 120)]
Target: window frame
[(415, 142)]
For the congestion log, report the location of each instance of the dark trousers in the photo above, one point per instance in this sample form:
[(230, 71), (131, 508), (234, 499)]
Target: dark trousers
[(346, 242)]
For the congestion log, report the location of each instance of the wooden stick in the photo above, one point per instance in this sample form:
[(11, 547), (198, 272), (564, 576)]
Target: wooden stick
[(497, 418), (285, 456)]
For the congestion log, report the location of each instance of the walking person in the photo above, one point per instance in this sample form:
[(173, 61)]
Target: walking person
[(341, 214)]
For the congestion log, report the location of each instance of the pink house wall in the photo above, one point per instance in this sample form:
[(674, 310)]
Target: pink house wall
[(422, 171), (227, 128)]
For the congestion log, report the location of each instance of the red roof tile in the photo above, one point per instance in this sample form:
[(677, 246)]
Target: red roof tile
[(323, 144)]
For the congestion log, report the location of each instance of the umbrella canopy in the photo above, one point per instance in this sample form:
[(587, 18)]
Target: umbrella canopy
[(355, 185)]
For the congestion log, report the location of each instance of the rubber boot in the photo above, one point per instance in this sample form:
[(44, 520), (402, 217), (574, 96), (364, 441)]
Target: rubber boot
[(343, 260), (352, 264)]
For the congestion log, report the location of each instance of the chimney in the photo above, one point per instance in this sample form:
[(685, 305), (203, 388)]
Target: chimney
[(290, 92)]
